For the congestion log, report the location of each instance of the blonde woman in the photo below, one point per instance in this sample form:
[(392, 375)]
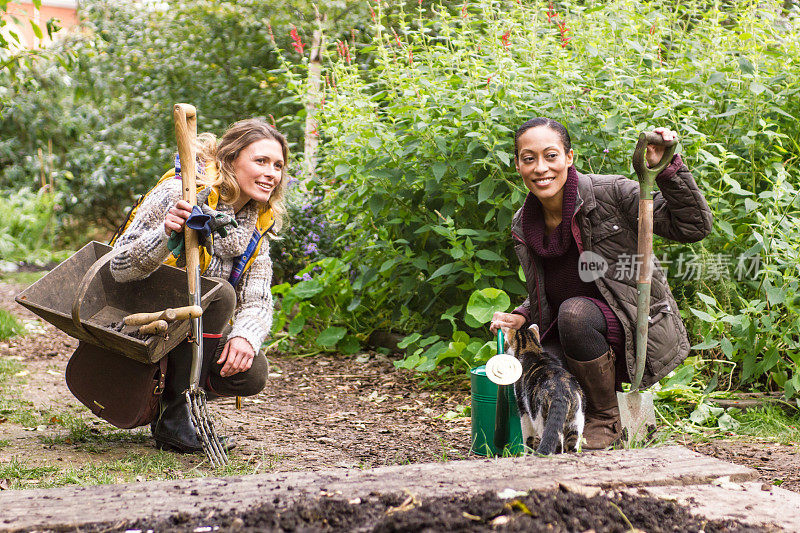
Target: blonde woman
[(245, 170)]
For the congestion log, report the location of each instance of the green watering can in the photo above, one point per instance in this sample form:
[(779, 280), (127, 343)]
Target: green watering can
[(496, 426)]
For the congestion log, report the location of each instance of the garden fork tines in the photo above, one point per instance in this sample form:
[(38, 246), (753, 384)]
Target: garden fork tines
[(204, 426)]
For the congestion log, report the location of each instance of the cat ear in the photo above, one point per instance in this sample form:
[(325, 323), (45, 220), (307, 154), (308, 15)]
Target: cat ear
[(535, 329)]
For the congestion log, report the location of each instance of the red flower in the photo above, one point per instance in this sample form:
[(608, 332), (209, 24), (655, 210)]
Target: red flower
[(372, 13), (488, 80), (271, 119), (397, 39), (411, 59), (464, 10), (271, 35), (653, 29), (297, 42), (344, 50), (504, 38), (551, 13)]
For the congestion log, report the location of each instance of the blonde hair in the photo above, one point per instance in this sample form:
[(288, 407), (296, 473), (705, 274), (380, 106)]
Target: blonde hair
[(224, 151)]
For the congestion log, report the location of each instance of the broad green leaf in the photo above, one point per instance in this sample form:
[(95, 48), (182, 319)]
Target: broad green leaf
[(306, 289), (296, 325), (37, 31), (702, 315), (483, 304), (757, 88), (341, 169), (409, 340), (439, 169), (349, 345), (706, 344), (330, 336), (488, 255), (485, 189)]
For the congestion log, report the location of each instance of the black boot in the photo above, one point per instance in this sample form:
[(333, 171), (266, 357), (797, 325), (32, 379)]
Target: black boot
[(174, 430)]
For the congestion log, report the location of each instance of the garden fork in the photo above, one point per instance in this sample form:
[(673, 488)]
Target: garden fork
[(185, 117)]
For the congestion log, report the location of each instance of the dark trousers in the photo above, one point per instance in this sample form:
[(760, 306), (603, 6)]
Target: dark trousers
[(216, 328)]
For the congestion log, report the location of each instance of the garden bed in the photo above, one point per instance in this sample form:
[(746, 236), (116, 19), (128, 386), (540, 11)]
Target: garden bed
[(549, 511)]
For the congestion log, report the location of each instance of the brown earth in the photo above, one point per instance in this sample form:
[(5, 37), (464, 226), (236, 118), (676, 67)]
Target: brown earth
[(553, 511), (317, 412)]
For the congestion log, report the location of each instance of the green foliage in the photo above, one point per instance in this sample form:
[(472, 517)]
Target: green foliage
[(29, 226), (418, 156), (9, 325), (307, 237), (108, 110)]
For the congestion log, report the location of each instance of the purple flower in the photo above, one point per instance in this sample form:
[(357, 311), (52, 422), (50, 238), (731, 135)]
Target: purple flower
[(306, 277), (313, 236), (605, 151), (307, 207), (310, 248)]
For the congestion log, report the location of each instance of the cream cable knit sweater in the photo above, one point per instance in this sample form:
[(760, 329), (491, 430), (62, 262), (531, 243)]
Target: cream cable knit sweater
[(252, 318)]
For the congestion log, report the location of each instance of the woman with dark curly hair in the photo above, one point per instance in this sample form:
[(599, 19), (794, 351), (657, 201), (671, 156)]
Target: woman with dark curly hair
[(591, 320)]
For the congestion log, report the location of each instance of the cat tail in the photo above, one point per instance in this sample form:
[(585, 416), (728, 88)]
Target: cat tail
[(553, 427)]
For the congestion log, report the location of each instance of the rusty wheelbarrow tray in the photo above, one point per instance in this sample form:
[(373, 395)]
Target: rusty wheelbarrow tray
[(82, 299)]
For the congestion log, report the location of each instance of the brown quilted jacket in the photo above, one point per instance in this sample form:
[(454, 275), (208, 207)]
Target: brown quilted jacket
[(605, 222)]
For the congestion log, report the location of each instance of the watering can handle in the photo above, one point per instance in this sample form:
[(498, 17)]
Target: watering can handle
[(501, 429)]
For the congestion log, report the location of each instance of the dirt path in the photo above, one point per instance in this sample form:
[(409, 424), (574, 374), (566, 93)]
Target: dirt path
[(319, 412), (325, 411)]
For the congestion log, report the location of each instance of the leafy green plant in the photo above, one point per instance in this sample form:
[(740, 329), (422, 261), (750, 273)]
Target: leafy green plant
[(417, 157), (29, 227), (9, 325)]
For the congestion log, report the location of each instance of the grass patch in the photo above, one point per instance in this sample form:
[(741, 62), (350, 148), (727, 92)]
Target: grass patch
[(22, 278), (134, 467), (770, 422), (702, 422), (9, 325)]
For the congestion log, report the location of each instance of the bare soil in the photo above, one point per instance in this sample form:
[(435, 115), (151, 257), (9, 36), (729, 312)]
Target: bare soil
[(316, 412), (553, 511)]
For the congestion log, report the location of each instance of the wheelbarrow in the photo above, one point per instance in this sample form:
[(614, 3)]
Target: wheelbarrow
[(81, 298)]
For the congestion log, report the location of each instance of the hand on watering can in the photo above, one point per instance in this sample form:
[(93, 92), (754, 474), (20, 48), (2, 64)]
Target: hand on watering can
[(237, 356), (176, 217), (654, 151), (506, 320)]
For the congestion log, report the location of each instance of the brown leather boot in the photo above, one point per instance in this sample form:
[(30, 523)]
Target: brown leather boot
[(603, 427)]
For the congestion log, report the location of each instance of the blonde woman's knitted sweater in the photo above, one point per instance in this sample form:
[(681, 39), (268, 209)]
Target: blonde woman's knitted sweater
[(252, 318)]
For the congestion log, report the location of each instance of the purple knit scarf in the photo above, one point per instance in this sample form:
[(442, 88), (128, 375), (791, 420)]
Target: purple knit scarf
[(533, 225)]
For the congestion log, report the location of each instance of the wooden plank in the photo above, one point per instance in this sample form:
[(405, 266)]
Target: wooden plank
[(751, 502), (81, 506)]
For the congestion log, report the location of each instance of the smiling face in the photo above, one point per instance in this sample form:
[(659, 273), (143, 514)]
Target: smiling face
[(258, 169), (543, 163)]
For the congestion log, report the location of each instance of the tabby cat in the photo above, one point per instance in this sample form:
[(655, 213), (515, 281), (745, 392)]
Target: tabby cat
[(549, 399)]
